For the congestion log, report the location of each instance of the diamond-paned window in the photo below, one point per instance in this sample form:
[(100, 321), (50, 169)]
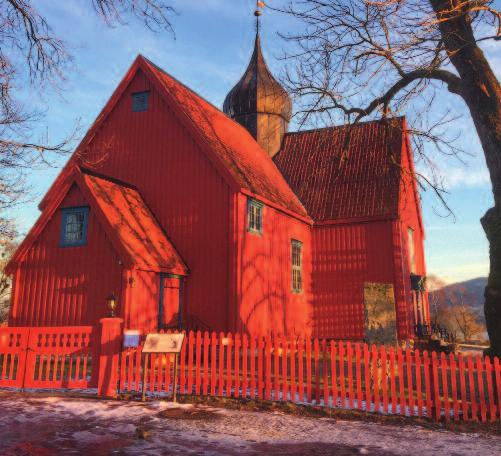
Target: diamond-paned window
[(74, 226)]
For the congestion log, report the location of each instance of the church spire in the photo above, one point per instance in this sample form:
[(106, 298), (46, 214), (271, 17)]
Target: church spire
[(258, 102)]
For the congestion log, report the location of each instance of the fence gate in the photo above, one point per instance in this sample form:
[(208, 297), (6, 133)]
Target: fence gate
[(57, 357), (13, 350)]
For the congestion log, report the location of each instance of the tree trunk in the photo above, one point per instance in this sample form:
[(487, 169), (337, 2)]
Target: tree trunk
[(481, 91)]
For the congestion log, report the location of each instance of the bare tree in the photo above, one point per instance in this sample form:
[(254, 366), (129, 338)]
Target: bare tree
[(31, 54), (7, 248), (468, 322), (359, 58), (454, 309)]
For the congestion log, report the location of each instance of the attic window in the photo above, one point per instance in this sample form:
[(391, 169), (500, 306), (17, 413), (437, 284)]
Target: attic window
[(255, 216), (74, 222), (140, 101)]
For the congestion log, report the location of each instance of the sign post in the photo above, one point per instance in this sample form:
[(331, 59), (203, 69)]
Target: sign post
[(162, 343)]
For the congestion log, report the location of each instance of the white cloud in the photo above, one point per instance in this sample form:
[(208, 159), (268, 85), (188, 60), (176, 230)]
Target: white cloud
[(464, 177), (471, 175)]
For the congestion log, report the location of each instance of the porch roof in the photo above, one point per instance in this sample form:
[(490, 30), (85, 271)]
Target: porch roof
[(130, 225)]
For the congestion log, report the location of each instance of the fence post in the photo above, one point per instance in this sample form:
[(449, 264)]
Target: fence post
[(109, 356)]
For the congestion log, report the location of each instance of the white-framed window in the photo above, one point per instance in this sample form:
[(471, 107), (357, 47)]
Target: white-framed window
[(254, 216), (411, 247), (297, 266)]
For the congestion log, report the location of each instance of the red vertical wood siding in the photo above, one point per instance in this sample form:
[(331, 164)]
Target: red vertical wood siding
[(153, 151), (410, 217), (268, 305), (237, 280), (344, 257), (66, 286), (403, 298)]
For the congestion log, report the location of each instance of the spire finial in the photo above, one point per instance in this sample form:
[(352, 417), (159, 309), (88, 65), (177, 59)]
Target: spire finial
[(257, 13)]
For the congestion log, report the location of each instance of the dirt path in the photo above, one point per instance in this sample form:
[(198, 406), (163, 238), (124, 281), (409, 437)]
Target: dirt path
[(34, 425)]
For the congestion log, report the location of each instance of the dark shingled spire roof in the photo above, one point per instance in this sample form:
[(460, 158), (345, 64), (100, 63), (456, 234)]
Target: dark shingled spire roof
[(258, 91)]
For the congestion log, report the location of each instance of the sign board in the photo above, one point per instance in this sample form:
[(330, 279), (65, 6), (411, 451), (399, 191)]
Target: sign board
[(131, 338), (163, 343)]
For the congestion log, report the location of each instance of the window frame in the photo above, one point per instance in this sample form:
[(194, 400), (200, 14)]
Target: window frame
[(298, 268), (65, 213), (142, 107), (411, 249), (256, 205)]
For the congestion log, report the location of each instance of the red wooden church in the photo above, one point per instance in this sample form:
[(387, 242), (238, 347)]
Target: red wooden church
[(207, 219)]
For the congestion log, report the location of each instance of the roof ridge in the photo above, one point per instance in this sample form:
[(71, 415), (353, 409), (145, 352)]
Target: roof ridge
[(159, 68), (196, 94), (335, 127)]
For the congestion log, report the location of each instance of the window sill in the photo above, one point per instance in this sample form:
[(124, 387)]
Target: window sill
[(80, 244), (255, 232)]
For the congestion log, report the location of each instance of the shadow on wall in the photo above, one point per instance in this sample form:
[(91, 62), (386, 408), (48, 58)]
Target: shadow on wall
[(268, 305)]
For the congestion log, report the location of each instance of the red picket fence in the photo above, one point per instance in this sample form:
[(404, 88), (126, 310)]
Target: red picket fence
[(47, 357), (318, 372), (327, 373), (13, 351)]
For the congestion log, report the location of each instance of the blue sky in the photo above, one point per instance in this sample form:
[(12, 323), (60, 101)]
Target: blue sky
[(212, 47)]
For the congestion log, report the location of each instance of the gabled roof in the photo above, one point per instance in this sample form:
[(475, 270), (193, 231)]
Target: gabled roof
[(230, 147), (248, 163), (346, 172), (123, 214)]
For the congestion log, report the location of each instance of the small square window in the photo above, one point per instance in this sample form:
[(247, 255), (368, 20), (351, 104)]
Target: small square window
[(255, 216), (297, 266), (140, 101), (74, 226)]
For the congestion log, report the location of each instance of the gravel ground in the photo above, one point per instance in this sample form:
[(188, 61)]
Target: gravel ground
[(36, 425)]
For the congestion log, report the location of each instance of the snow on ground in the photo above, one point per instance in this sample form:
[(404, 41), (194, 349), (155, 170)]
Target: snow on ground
[(37, 425)]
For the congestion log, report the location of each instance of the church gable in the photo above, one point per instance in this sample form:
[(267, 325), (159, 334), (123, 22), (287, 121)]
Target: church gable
[(409, 202), (60, 284), (178, 116), (144, 141)]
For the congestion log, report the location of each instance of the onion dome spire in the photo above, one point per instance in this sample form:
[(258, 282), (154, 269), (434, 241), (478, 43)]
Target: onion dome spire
[(259, 103)]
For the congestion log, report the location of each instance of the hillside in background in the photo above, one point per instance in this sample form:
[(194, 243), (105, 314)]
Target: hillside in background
[(473, 289), (458, 307)]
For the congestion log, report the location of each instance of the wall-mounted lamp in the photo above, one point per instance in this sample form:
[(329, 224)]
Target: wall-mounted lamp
[(112, 303)]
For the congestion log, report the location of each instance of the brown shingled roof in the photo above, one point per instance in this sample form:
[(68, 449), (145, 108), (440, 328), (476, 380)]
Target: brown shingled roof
[(345, 172)]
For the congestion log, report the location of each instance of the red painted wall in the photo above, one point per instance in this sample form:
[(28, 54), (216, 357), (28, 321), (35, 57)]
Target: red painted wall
[(154, 152), (344, 257), (237, 281), (65, 286), (410, 217), (268, 305)]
